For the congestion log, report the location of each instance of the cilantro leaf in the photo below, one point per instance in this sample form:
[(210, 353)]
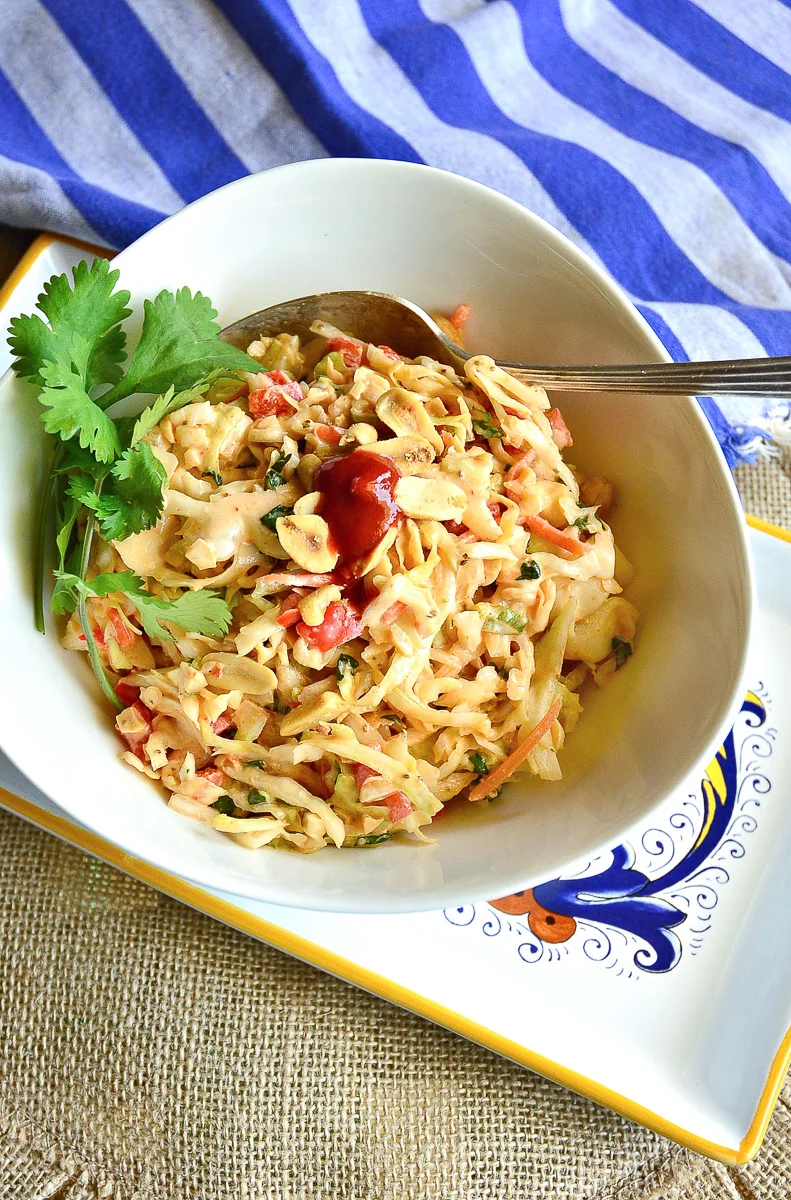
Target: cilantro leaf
[(484, 424), (274, 476), (622, 650), (33, 343), (134, 428), (178, 345), (66, 511), (139, 478), (87, 306), (372, 839), (478, 763), (529, 570), (505, 620), (271, 518), (169, 402), (193, 612), (131, 497), (63, 599), (73, 460), (70, 412), (346, 665), (90, 306), (67, 519)]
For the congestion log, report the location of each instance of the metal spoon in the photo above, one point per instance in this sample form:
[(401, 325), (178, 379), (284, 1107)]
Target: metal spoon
[(389, 320)]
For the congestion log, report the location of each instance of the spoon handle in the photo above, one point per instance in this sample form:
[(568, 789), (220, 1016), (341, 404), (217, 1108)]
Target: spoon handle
[(738, 377)]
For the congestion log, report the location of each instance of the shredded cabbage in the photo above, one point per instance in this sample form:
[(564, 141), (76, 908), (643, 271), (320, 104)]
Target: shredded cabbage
[(339, 713)]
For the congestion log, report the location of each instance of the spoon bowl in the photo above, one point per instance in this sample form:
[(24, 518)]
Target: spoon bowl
[(370, 316)]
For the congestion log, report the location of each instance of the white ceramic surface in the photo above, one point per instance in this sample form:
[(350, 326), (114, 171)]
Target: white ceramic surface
[(440, 240)]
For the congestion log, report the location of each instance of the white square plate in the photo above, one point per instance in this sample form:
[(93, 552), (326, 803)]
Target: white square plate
[(657, 981)]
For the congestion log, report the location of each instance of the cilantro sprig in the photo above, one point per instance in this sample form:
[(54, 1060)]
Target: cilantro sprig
[(133, 502), (103, 473), (193, 612)]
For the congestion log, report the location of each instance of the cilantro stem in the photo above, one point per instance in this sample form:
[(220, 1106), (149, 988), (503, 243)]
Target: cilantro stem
[(42, 529), (85, 621)]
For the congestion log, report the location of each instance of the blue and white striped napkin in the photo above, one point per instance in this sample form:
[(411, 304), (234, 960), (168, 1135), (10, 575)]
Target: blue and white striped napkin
[(655, 133)]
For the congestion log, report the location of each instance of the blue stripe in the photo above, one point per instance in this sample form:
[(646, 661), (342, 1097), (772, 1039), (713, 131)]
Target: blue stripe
[(597, 200), (578, 75), (116, 220), (149, 95), (732, 441), (703, 42), (664, 333), (311, 85), (772, 326)]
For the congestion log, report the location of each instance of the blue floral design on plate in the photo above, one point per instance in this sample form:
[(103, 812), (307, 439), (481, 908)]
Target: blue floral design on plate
[(613, 905)]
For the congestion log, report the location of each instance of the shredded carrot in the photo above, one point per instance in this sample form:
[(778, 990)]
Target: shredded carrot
[(558, 537), (496, 778), (523, 461), (123, 635), (561, 434)]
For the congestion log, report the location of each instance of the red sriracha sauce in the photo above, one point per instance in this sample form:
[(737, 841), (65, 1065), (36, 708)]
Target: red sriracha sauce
[(358, 503)]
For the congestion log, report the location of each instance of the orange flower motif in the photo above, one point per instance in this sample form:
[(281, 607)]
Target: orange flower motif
[(546, 925)]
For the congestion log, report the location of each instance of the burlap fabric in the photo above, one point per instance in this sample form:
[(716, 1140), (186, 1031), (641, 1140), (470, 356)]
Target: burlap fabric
[(148, 1053)]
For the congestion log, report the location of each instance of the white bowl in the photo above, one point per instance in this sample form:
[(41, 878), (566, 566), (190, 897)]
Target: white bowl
[(439, 240)]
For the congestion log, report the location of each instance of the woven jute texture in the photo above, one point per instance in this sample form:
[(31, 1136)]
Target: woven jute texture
[(148, 1053)]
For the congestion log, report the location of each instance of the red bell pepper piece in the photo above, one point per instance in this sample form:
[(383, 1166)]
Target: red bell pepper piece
[(213, 774), (279, 397), (135, 742), (127, 694), (397, 804), (455, 528), (223, 722), (340, 625), (350, 351), (361, 773), (289, 611)]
